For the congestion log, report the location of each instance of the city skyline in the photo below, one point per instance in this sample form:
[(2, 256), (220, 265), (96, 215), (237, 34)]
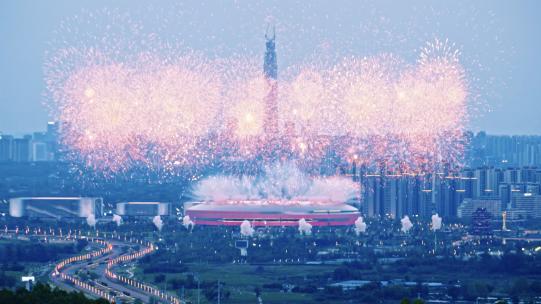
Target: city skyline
[(499, 51)]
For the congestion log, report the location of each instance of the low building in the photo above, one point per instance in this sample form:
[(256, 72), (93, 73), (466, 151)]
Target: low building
[(525, 205), (481, 223), (351, 284), (143, 209), (56, 207), (469, 206)]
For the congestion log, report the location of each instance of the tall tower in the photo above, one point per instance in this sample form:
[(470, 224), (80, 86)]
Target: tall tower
[(270, 70), (270, 67)]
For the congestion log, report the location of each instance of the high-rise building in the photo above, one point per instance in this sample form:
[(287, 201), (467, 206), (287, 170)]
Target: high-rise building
[(6, 148), (504, 151), (40, 146), (22, 149), (395, 195), (517, 191), (446, 198), (53, 129), (373, 195)]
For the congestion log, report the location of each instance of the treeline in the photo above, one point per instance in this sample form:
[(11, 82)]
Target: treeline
[(7, 280), (44, 294), (161, 262), (36, 252), (515, 264), (217, 245), (371, 293)]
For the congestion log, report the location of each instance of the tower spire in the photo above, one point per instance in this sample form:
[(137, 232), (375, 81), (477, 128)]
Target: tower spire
[(270, 71), (270, 66)]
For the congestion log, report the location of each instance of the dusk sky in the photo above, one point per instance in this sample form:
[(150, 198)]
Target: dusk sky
[(499, 42)]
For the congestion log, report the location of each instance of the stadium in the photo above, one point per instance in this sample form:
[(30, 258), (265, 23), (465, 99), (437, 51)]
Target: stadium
[(271, 213)]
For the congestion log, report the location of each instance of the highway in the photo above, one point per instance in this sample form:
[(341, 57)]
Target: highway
[(105, 257)]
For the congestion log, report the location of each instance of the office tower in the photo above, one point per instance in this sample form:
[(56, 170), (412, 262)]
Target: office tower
[(22, 149), (6, 148)]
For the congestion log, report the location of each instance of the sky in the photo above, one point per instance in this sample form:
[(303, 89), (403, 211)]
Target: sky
[(498, 40)]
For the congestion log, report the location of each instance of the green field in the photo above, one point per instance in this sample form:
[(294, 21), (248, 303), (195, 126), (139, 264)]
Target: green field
[(242, 279)]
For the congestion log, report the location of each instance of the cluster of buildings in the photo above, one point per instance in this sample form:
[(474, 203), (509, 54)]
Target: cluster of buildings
[(506, 178), (504, 150), (516, 191), (501, 193), (38, 147), (262, 213)]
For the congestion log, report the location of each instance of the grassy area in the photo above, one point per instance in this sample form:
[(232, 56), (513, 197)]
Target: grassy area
[(242, 275), (241, 280), (248, 297)]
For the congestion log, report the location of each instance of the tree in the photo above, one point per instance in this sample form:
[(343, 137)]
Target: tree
[(211, 292), (519, 289), (160, 278), (453, 291), (44, 294)]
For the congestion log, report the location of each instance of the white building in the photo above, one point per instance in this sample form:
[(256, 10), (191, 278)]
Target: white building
[(468, 206)]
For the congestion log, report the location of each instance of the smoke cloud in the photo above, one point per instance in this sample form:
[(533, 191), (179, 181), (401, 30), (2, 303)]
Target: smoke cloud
[(187, 222), (436, 222), (406, 224), (117, 219), (91, 220), (246, 228), (280, 181), (305, 228), (157, 220), (360, 225)]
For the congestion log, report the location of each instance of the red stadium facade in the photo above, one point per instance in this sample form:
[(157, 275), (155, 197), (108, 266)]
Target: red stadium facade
[(271, 213)]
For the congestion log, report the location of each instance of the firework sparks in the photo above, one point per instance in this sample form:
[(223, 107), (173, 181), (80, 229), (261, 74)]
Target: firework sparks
[(166, 108)]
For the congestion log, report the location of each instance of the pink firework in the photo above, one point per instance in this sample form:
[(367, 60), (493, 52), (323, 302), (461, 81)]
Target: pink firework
[(163, 108), (148, 111)]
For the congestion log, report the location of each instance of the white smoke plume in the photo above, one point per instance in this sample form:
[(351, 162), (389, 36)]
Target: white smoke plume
[(187, 222), (91, 220), (360, 225), (280, 181), (436, 222), (246, 228), (219, 188), (305, 228), (117, 219), (157, 220), (406, 224), (336, 189)]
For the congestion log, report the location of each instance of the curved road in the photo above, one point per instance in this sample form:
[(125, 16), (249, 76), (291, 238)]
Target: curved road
[(106, 256)]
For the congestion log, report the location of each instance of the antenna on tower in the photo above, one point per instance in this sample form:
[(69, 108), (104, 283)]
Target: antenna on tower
[(273, 32)]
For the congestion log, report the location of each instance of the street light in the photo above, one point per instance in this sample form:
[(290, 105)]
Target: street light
[(196, 277)]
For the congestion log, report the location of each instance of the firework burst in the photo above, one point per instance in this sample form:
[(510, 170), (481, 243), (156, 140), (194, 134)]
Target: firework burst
[(165, 108)]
